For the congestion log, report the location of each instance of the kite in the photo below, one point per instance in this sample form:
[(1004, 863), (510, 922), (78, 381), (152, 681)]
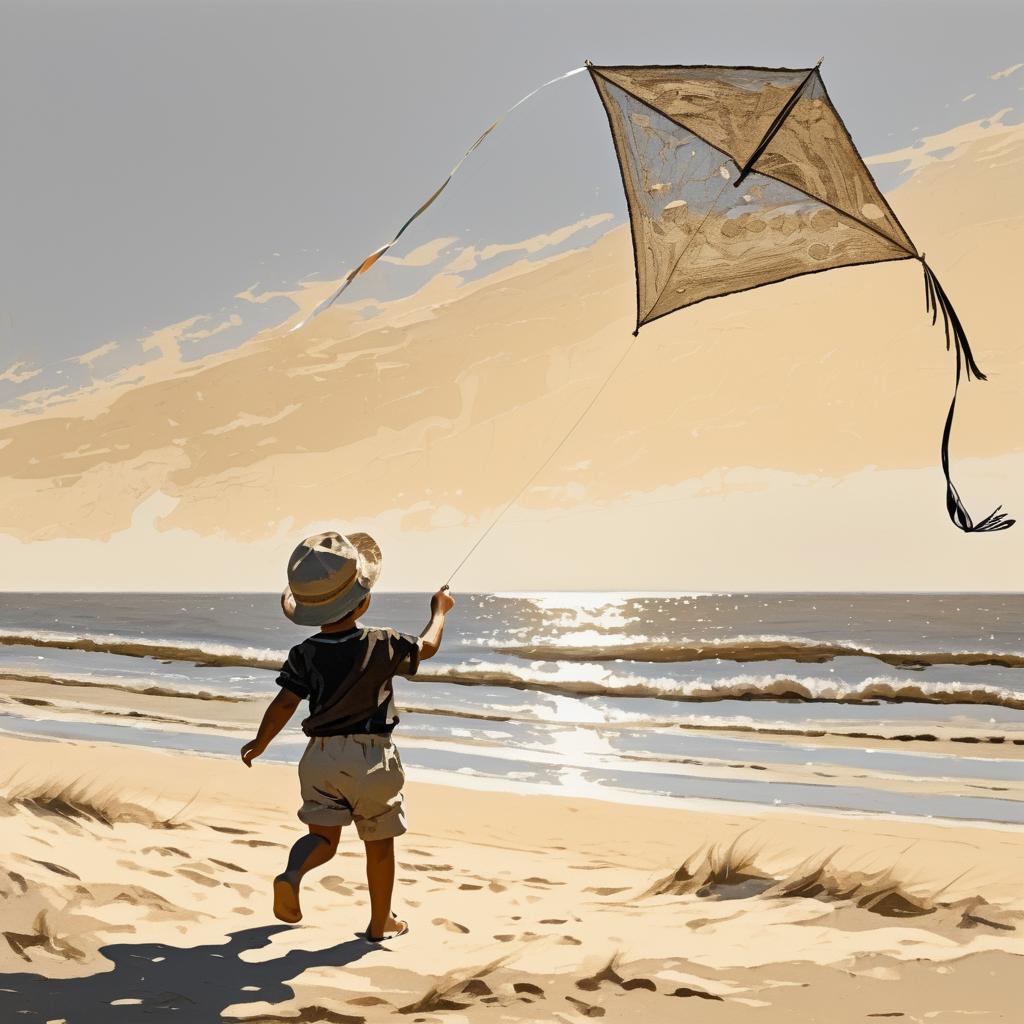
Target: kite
[(735, 178), (738, 177)]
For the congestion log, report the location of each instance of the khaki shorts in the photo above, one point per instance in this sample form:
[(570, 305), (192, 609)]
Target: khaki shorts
[(346, 779)]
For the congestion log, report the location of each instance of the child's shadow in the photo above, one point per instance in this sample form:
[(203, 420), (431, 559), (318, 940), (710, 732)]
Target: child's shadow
[(192, 985)]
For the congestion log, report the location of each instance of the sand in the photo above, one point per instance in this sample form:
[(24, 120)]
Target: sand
[(137, 882)]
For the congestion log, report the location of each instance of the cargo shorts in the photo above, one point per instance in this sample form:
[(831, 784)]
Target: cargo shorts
[(358, 778)]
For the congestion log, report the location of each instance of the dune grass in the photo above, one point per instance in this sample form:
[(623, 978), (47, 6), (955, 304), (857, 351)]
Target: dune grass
[(82, 801), (731, 871)]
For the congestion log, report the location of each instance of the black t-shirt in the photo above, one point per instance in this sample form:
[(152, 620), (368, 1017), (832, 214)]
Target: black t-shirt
[(347, 679)]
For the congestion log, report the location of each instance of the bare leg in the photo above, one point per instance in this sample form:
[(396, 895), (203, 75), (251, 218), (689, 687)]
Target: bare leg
[(309, 852), (380, 876)]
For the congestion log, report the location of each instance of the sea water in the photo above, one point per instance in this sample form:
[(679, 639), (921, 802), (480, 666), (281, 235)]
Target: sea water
[(825, 701)]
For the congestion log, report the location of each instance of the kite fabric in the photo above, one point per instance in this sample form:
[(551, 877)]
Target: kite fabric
[(738, 177)]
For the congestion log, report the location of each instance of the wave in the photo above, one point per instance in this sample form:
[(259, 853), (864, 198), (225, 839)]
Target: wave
[(216, 655), (109, 684), (593, 681), (744, 649), (741, 687), (528, 714)]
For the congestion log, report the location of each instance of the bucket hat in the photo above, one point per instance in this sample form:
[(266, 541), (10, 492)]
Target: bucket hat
[(329, 575)]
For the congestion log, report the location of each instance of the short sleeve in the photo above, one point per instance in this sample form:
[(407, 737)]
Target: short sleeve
[(292, 676), (405, 650)]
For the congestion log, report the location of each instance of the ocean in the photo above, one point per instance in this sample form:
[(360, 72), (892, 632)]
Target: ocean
[(908, 704)]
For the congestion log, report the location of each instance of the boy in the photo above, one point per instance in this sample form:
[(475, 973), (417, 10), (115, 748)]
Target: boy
[(350, 771)]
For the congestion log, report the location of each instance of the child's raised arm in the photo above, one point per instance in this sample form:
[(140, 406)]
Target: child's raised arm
[(440, 605)]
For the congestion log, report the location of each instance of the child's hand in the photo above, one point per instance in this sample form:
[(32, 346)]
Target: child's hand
[(442, 602), (251, 751)]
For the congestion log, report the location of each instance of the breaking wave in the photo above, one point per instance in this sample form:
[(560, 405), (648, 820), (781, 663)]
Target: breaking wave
[(222, 655), (578, 680), (743, 649), (740, 687)]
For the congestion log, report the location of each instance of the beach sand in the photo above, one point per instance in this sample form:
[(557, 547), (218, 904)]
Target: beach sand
[(136, 882)]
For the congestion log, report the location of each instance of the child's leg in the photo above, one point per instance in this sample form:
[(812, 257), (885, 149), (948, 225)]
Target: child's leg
[(380, 877), (309, 852)]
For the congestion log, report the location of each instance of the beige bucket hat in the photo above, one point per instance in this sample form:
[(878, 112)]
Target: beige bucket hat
[(328, 576)]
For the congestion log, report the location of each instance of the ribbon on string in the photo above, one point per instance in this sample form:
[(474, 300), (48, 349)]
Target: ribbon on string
[(370, 260), (936, 299)]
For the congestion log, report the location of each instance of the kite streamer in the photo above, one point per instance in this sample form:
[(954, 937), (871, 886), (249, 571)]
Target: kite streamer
[(370, 260)]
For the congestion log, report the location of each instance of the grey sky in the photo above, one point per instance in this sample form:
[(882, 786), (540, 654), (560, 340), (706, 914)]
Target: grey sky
[(159, 157)]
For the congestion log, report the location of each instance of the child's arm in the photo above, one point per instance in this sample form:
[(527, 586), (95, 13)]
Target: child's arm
[(440, 605), (275, 718)]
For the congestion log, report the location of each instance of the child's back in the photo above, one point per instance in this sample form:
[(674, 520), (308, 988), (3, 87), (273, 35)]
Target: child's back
[(351, 771)]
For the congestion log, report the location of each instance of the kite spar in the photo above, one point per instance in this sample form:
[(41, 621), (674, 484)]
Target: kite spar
[(683, 135)]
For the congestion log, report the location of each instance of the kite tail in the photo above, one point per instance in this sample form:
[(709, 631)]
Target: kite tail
[(937, 300)]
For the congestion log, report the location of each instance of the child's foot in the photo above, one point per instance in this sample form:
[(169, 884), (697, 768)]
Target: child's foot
[(393, 927), (286, 900)]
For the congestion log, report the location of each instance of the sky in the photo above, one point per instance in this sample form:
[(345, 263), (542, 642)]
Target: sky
[(175, 174), (161, 158)]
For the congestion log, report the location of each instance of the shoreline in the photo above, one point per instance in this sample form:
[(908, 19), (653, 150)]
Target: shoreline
[(620, 763)]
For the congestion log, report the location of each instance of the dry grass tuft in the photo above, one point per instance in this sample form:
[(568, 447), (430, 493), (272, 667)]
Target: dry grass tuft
[(82, 801), (731, 872)]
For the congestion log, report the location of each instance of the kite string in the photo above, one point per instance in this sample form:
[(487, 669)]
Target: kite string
[(540, 469), (377, 253)]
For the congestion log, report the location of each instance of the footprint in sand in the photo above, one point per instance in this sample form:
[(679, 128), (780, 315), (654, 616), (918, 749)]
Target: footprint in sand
[(553, 920), (568, 940), (466, 885), (642, 983), (452, 926), (257, 842), (195, 876), (332, 883), (587, 1009), (227, 864), (685, 993), (55, 868), (527, 988), (496, 887), (167, 851), (367, 1001), (606, 890)]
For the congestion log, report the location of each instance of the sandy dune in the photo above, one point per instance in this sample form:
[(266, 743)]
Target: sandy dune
[(136, 882)]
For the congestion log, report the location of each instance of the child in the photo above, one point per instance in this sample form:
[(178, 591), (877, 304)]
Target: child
[(350, 771)]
